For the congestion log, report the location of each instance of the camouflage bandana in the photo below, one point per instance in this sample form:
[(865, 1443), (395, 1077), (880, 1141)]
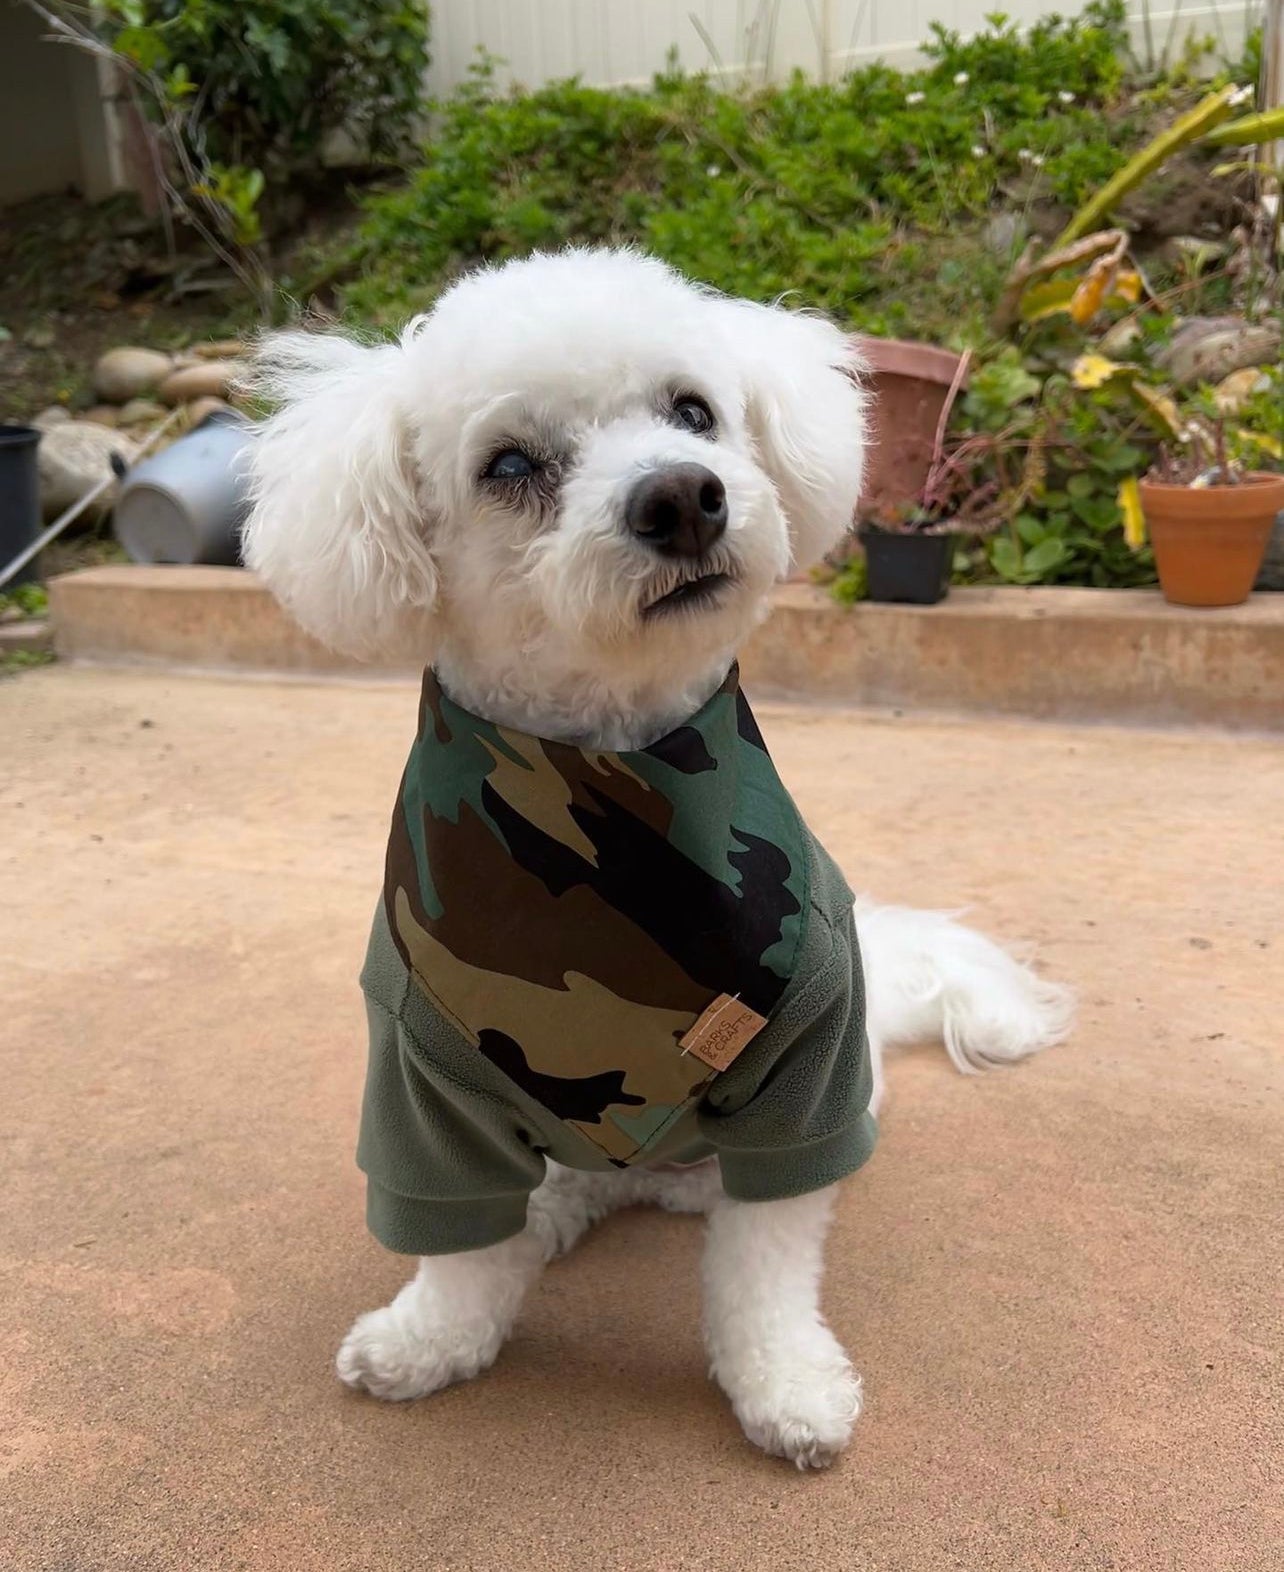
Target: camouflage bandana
[(574, 912)]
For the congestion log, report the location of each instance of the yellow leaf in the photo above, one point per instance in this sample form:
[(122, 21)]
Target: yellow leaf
[(1128, 286), (1047, 299), (1235, 390), (1266, 444), (1091, 294), (1134, 519), (1090, 371), (1158, 405)]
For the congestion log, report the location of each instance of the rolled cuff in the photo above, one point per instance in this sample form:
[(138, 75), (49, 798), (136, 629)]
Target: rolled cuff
[(412, 1226), (782, 1172)]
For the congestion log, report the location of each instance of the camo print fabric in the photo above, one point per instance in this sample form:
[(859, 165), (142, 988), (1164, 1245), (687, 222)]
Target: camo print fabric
[(573, 912)]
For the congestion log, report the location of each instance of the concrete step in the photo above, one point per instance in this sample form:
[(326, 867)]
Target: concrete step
[(1046, 654), (26, 636)]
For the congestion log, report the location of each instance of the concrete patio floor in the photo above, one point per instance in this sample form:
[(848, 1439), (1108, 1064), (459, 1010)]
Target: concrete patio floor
[(1062, 1283)]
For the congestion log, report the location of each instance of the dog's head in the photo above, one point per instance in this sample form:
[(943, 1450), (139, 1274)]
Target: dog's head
[(576, 466)]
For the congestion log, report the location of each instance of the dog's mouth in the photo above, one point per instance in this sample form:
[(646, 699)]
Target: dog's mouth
[(691, 595)]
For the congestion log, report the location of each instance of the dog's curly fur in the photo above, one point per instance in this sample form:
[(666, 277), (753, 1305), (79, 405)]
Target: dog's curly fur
[(379, 522)]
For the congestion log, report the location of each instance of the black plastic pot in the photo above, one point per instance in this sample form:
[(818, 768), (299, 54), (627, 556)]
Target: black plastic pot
[(907, 566), (19, 498)]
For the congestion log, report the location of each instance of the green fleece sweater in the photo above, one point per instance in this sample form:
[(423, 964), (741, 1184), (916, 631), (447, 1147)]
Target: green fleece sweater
[(604, 959)]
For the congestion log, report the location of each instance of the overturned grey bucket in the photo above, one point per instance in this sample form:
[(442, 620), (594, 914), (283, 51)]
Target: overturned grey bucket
[(187, 504)]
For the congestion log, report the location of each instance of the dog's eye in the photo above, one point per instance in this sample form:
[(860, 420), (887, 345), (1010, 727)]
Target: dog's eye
[(511, 464), (695, 415)]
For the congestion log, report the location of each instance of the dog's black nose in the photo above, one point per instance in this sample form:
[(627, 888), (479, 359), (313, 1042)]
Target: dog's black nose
[(681, 509)]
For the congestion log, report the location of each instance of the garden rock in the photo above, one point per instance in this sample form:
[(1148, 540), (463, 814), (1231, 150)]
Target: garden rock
[(74, 456), (1005, 234), (55, 415), (103, 415), (201, 408), (219, 349), (1207, 349), (142, 412), (211, 379), (126, 372)]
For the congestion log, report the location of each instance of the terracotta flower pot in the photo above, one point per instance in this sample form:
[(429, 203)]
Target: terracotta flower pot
[(910, 383), (1209, 541)]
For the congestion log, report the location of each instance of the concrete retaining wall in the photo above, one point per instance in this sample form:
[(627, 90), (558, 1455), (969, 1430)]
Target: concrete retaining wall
[(1064, 654)]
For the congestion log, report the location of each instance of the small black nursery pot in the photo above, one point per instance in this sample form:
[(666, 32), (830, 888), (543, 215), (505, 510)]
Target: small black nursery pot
[(907, 565)]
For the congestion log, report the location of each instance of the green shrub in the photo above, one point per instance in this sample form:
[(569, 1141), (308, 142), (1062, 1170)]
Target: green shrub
[(30, 600), (852, 196), (869, 198), (275, 77)]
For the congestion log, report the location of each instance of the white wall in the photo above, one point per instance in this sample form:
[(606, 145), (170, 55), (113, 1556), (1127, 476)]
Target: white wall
[(39, 138), (56, 130), (618, 41)]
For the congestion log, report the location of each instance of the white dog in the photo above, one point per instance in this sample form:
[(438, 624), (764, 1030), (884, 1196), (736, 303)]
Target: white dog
[(571, 488)]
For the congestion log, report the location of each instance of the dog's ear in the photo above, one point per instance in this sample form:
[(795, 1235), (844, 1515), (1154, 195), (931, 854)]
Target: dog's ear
[(337, 529), (807, 415)]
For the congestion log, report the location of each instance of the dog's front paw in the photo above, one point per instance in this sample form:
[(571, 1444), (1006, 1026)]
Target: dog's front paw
[(800, 1403), (391, 1354)]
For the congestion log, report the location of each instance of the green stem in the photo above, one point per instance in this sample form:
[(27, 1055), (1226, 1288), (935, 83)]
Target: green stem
[(1196, 123), (1251, 130)]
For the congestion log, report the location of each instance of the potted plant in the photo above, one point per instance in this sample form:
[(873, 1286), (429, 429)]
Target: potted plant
[(1209, 519), (909, 545), (913, 387), (909, 561)]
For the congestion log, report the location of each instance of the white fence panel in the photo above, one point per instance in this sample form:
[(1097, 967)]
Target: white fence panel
[(620, 41)]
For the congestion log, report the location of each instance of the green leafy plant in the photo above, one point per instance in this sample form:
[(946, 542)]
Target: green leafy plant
[(1056, 463), (274, 78), (24, 660), (851, 196), (25, 600), (871, 198), (850, 583), (245, 95)]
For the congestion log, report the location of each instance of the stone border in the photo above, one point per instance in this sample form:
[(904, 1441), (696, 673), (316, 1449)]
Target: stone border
[(1046, 654), (26, 636)]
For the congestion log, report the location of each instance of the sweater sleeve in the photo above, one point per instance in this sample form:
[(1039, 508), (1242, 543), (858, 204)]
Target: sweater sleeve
[(449, 1166), (795, 1117)]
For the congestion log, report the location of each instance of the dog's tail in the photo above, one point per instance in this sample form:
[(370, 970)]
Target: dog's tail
[(928, 978)]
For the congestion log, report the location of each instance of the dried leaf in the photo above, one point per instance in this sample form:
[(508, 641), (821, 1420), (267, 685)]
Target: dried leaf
[(1259, 439), (1091, 293), (1159, 407), (1128, 286), (1234, 391)]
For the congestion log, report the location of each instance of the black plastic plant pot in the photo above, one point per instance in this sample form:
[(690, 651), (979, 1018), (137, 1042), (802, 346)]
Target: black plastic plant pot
[(908, 567), (19, 498)]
